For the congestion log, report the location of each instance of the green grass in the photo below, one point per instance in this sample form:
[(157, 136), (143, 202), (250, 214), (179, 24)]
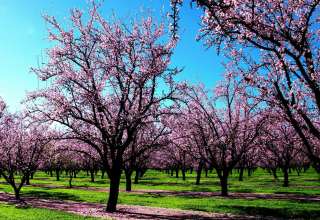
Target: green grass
[(261, 182), (10, 212)]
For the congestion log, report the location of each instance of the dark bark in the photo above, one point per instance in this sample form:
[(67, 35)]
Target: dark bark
[(27, 179), (128, 173), (114, 189), (17, 193), (241, 173), (249, 172), (183, 173), (223, 176), (136, 177), (92, 176), (224, 184), (57, 174), (177, 172), (206, 171), (285, 177), (70, 180), (274, 173), (199, 170)]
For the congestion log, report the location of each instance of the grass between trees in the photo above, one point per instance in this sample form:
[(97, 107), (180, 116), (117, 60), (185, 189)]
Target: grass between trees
[(10, 212), (307, 184)]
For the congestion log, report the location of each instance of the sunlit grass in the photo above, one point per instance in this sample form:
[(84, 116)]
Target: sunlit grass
[(261, 182), (10, 212)]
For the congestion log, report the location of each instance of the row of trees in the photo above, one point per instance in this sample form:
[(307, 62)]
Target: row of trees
[(111, 98)]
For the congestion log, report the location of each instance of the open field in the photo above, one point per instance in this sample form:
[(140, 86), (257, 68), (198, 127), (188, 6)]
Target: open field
[(258, 195)]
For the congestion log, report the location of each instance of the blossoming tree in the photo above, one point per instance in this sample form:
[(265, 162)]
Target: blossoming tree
[(219, 128), (103, 85), (22, 147), (275, 46)]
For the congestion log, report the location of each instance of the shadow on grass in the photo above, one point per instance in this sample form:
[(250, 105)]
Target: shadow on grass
[(293, 193), (274, 212), (203, 189), (52, 195), (103, 181), (239, 190)]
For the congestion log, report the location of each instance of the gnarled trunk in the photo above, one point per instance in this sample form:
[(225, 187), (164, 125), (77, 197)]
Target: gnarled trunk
[(114, 189)]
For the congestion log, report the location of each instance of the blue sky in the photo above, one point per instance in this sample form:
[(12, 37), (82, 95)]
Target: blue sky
[(23, 40)]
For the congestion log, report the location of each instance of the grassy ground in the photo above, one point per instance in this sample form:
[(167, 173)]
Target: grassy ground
[(10, 212), (261, 182)]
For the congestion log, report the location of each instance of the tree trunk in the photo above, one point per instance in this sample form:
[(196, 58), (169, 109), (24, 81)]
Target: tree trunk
[(206, 171), (51, 173), (199, 170), (142, 172), (92, 176), (172, 172), (183, 173), (285, 177), (70, 180), (102, 173), (57, 174), (274, 173), (177, 172), (128, 174), (114, 190), (241, 174), (298, 171), (17, 193), (27, 179), (249, 172), (136, 178), (224, 183)]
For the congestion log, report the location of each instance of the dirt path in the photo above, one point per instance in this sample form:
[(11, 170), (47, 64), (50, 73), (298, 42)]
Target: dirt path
[(285, 196), (131, 212)]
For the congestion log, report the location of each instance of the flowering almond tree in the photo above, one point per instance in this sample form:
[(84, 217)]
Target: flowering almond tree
[(103, 85), (281, 146), (22, 148), (222, 128), (279, 55), (137, 155)]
